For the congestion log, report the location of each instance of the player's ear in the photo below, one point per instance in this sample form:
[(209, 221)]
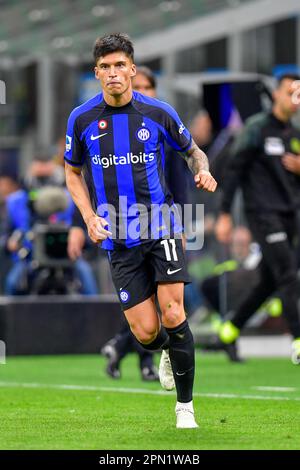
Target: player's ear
[(133, 71), (96, 70)]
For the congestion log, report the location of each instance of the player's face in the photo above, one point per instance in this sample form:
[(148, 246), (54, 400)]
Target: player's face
[(141, 84), (115, 71), (284, 97)]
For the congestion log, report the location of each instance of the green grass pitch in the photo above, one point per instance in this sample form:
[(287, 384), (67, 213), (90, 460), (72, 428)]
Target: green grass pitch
[(67, 402)]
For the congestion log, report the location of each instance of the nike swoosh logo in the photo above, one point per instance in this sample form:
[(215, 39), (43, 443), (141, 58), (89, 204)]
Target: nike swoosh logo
[(174, 271), (94, 137), (183, 373)]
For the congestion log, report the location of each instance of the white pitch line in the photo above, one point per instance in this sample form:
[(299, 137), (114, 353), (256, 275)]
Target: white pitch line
[(91, 388), (274, 389)]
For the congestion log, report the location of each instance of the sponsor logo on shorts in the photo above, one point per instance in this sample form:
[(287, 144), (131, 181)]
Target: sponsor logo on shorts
[(124, 296), (173, 271)]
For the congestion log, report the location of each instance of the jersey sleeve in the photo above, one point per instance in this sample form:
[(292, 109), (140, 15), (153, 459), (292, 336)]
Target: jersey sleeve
[(175, 132), (74, 154)]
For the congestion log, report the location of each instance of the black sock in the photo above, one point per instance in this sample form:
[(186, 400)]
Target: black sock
[(161, 341), (182, 356)]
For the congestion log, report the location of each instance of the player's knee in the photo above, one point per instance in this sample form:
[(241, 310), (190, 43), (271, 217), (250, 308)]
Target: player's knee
[(173, 314), (146, 338), (144, 335)]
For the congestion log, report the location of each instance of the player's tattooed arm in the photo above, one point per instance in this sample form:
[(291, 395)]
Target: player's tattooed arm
[(196, 159), (198, 164)]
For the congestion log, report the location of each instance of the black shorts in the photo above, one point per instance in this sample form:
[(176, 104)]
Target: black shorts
[(137, 271)]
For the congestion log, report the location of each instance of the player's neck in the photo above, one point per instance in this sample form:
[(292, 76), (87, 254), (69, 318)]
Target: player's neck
[(118, 100)]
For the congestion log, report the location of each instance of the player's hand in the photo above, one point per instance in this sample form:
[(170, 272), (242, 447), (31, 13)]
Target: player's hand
[(291, 163), (223, 228), (97, 229), (76, 241), (205, 180)]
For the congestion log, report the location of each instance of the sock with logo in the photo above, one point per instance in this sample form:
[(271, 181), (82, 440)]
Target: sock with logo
[(160, 342), (182, 357)]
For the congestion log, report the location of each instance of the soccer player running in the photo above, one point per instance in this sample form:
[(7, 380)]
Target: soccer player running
[(261, 166), (174, 170), (114, 163)]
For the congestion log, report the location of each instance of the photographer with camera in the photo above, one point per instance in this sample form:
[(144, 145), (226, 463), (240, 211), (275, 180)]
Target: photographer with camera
[(38, 220)]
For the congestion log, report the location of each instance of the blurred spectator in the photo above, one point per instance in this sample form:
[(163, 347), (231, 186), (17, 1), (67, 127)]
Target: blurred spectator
[(44, 171), (59, 153), (77, 243), (241, 271), (271, 192), (8, 185), (18, 222), (201, 129), (45, 200)]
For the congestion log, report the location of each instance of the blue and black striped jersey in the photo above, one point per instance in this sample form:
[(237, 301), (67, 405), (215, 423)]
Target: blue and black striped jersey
[(121, 150)]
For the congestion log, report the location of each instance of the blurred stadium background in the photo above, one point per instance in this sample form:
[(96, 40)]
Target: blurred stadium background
[(200, 51), (197, 50)]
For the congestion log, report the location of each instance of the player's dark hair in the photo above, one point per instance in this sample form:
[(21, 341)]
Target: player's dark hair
[(142, 69), (110, 43), (287, 76)]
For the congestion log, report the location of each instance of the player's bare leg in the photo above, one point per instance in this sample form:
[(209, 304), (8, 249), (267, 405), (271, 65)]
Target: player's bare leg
[(144, 321), (181, 350)]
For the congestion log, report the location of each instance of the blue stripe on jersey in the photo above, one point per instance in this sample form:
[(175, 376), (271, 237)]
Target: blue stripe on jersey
[(156, 192), (98, 180), (158, 104), (166, 107), (124, 173)]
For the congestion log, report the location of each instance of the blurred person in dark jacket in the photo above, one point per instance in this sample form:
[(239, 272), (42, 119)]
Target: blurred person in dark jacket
[(260, 165)]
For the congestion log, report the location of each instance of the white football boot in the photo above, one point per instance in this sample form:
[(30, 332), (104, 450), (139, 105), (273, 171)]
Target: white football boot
[(165, 372), (185, 418)]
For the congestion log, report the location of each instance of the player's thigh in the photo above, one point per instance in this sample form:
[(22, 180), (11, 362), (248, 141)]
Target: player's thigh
[(130, 273), (143, 317)]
